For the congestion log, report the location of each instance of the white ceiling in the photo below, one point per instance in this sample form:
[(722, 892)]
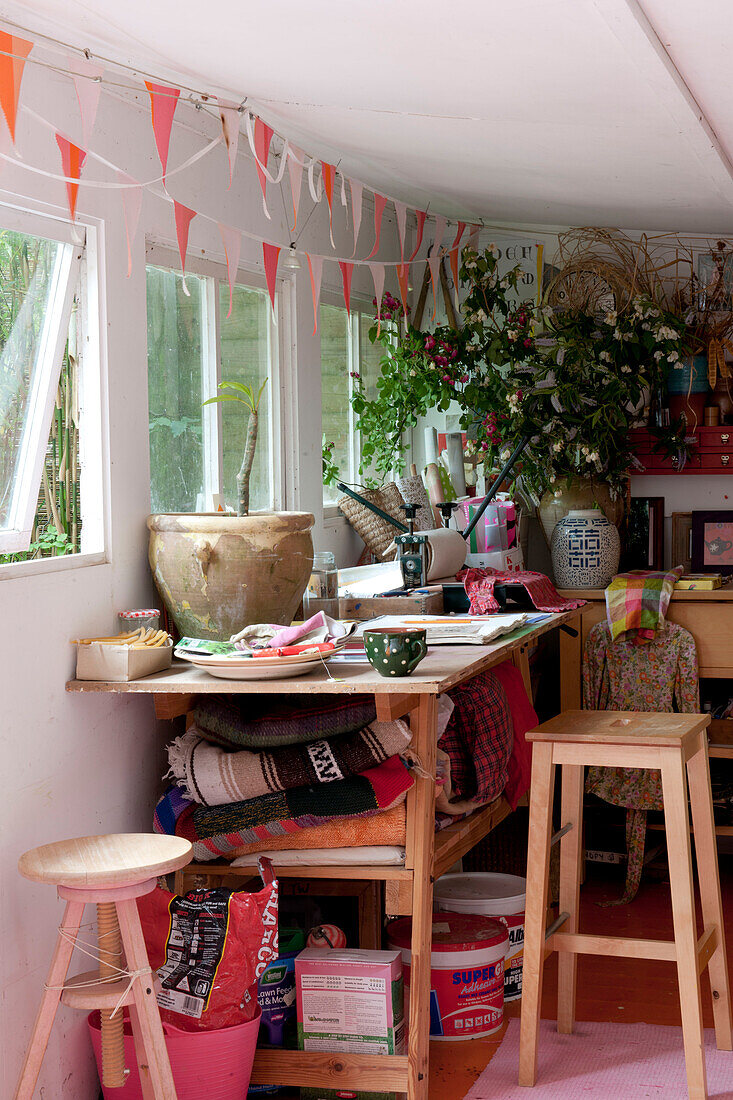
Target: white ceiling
[(557, 112)]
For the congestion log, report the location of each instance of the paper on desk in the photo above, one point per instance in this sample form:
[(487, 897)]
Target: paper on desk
[(451, 629)]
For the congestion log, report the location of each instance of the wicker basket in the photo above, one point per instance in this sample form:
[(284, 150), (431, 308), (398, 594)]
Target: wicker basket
[(375, 531)]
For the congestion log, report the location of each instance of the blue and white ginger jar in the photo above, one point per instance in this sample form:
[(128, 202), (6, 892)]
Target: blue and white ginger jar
[(585, 550)]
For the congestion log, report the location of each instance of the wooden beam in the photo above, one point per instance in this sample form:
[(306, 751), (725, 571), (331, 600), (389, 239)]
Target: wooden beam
[(329, 1070), (620, 946), (390, 707), (706, 945), (172, 706)]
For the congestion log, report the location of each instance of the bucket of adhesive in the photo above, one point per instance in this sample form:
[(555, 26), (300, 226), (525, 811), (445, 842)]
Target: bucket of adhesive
[(489, 895), (466, 973), (213, 1064)]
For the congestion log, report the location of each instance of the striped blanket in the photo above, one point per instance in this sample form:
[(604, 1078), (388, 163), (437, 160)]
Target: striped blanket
[(214, 776), (218, 830), (246, 722), (637, 601)]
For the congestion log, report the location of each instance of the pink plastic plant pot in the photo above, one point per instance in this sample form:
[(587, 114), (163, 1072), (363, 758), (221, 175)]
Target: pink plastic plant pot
[(212, 1064)]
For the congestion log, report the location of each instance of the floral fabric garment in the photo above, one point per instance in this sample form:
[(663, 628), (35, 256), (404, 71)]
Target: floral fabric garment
[(659, 676)]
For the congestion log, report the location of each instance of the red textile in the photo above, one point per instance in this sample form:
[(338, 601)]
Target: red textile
[(524, 718), (478, 739), (479, 585)]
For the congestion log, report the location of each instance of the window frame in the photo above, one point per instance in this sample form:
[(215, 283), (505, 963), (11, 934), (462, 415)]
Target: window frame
[(360, 305), (84, 234), (280, 375)]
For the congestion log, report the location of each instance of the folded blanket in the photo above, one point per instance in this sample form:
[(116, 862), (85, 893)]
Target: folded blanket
[(249, 722), (215, 776), (343, 832), (220, 829), (637, 601)]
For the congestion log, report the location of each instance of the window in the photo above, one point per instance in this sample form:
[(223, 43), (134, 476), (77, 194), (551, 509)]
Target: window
[(196, 452), (345, 350), (50, 411)]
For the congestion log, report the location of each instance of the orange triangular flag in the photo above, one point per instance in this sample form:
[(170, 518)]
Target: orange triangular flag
[(14, 52), (421, 216), (329, 175), (347, 270), (72, 159)]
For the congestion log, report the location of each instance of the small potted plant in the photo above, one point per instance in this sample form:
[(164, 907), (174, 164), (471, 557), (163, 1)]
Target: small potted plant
[(217, 572)]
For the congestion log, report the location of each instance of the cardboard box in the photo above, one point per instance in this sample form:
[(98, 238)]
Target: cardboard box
[(429, 602), (120, 663), (350, 1002), (507, 561)]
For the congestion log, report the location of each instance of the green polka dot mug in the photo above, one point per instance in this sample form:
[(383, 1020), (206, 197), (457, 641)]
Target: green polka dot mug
[(395, 651)]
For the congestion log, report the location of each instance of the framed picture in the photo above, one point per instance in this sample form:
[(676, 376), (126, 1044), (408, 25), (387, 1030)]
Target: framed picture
[(682, 541), (644, 543), (712, 542)]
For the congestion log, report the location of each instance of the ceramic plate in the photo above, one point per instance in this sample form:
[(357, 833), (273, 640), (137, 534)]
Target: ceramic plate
[(260, 670), (269, 662)]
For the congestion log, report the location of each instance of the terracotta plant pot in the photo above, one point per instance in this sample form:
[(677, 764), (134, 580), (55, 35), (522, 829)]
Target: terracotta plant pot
[(217, 573)]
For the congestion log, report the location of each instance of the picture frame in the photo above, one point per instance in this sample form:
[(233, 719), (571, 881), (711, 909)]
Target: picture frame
[(644, 539), (682, 541), (712, 542)]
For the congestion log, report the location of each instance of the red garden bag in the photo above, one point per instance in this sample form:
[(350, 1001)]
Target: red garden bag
[(209, 947)]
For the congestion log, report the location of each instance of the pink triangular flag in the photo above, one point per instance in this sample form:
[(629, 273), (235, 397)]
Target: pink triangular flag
[(403, 278), (132, 201), (295, 169), (87, 79), (271, 254), (357, 194), (13, 54), (434, 265), (472, 241), (377, 271), (163, 103), (229, 116), (401, 212), (183, 215), (440, 224), (72, 159), (459, 234), (421, 216), (379, 204), (263, 137), (232, 241), (347, 270), (315, 267)]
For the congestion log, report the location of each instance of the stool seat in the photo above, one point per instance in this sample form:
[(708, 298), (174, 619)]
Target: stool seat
[(621, 727), (118, 859), (79, 993)]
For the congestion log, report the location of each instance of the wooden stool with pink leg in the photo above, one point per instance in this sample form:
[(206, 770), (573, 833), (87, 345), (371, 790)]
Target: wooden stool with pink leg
[(676, 744), (109, 872)]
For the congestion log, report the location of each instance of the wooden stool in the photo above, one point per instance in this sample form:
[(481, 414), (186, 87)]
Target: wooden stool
[(110, 871), (625, 739)]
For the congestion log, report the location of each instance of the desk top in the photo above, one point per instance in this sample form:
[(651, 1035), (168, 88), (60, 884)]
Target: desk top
[(443, 668), (725, 593)]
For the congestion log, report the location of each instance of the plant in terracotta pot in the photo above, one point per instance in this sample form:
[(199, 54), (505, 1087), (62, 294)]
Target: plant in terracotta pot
[(217, 572)]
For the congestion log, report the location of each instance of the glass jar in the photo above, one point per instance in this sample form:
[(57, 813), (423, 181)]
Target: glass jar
[(140, 617), (322, 593)]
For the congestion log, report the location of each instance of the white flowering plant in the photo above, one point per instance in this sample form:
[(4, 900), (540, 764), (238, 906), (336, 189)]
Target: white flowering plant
[(571, 383)]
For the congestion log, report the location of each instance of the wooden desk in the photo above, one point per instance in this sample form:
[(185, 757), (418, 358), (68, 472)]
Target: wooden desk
[(427, 855)]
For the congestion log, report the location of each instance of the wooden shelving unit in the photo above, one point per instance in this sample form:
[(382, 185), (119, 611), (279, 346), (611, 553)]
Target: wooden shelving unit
[(408, 889)]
